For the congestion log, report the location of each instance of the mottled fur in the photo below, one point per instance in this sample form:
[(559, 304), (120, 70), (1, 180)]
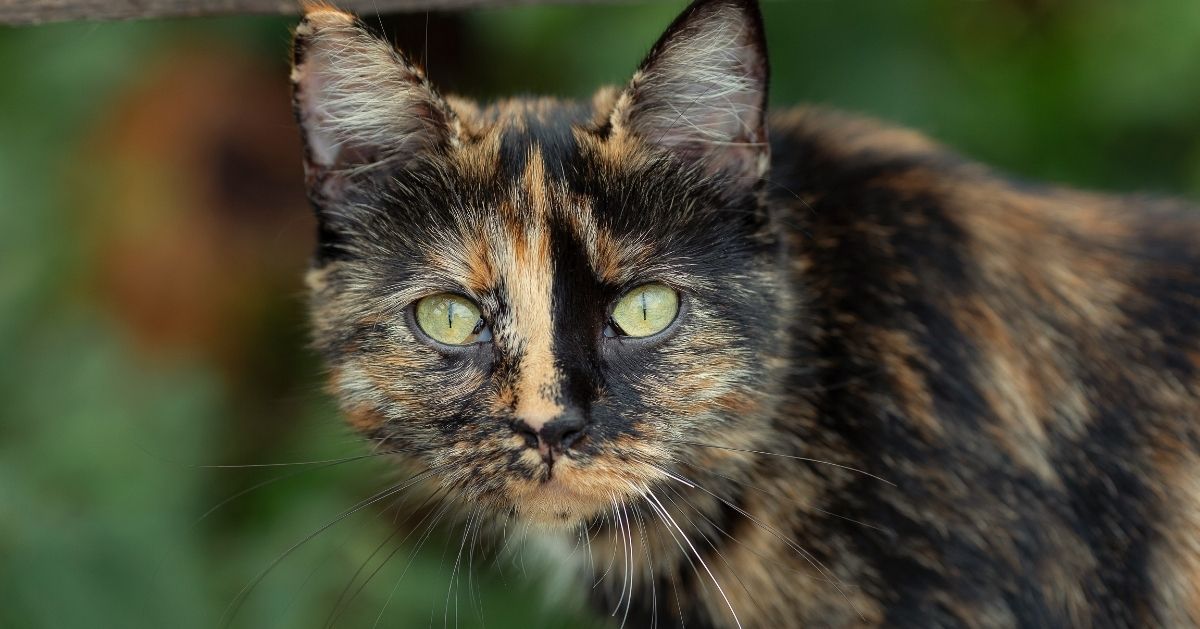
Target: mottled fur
[(902, 390)]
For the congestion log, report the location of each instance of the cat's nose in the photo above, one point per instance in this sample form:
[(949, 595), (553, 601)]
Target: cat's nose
[(555, 436), (565, 431)]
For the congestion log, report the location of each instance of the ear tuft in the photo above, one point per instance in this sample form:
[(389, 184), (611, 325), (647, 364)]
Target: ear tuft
[(360, 104), (701, 92)]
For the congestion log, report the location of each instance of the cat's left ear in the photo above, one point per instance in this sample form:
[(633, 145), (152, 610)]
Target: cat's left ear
[(362, 106), (701, 92)]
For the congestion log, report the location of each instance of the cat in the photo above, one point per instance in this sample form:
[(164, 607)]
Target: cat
[(803, 369)]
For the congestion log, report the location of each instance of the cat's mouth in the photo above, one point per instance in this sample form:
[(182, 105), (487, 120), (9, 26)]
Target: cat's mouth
[(574, 490), (567, 496)]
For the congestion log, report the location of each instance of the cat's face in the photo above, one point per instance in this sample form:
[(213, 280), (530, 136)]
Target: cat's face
[(546, 304)]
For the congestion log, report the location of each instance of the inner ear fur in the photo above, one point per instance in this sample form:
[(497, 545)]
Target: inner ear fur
[(360, 103), (701, 92)]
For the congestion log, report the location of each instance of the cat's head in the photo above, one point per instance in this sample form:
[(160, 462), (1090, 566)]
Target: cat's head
[(546, 303)]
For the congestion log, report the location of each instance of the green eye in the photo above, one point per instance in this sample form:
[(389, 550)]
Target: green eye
[(450, 319), (646, 310)]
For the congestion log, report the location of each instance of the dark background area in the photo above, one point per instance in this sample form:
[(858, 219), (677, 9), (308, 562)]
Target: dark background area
[(153, 233)]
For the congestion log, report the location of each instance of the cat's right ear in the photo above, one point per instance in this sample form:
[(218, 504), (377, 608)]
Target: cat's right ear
[(362, 107), (701, 93)]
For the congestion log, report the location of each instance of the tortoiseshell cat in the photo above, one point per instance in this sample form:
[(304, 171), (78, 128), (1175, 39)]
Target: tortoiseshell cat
[(829, 374)]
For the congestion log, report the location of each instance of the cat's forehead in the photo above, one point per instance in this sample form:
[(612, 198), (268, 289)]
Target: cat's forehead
[(519, 153), (534, 219), (536, 188), (520, 128)]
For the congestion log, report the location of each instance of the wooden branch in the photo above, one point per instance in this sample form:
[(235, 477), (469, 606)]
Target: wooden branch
[(19, 12)]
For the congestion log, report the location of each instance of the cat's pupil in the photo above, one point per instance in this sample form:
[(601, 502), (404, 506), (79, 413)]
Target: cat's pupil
[(645, 309), (450, 315)]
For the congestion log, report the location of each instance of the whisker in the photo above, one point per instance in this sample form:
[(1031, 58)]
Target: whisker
[(231, 611), (424, 537), (473, 591), (317, 564), (320, 462), (613, 544), (806, 505), (786, 456), (670, 573), (587, 536), (649, 566), (755, 552), (675, 539), (454, 572), (343, 602), (816, 563), (580, 531), (343, 598), (503, 545), (710, 543), (620, 532), (667, 518), (629, 568), (678, 600), (791, 543), (311, 466), (249, 490), (524, 547)]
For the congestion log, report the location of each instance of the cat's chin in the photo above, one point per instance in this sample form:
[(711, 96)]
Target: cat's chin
[(560, 503)]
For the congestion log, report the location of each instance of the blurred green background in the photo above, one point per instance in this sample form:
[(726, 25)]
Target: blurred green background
[(153, 232)]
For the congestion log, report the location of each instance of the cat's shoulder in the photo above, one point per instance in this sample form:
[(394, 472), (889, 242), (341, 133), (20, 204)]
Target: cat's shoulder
[(907, 219), (886, 172), (821, 133)]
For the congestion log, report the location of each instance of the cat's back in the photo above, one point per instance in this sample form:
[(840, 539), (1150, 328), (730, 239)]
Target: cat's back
[(1033, 352), (908, 219)]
